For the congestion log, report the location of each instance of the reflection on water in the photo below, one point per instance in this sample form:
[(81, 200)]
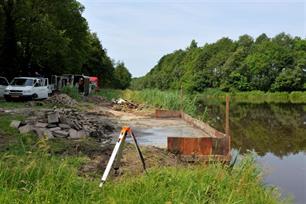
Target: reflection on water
[(288, 173), (277, 132)]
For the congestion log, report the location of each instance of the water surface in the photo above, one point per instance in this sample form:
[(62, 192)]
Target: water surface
[(277, 133)]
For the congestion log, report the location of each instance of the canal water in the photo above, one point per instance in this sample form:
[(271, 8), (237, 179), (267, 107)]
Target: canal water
[(277, 133)]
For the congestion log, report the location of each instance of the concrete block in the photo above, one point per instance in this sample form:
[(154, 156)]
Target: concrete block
[(41, 125), (51, 125), (39, 132), (53, 117), (25, 129), (64, 126), (54, 129), (74, 134), (61, 133), (15, 124)]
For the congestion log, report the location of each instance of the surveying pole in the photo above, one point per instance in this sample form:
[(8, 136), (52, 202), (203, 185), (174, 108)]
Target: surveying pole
[(117, 153)]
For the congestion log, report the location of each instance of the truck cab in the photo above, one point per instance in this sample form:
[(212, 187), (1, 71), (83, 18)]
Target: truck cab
[(27, 88)]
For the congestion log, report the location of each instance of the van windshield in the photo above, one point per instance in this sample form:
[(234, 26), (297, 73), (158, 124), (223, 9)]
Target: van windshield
[(22, 82)]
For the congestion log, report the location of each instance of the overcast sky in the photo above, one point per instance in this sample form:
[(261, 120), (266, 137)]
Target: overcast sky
[(140, 32)]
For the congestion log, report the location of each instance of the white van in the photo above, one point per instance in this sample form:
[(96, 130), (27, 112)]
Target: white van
[(3, 84), (27, 88)]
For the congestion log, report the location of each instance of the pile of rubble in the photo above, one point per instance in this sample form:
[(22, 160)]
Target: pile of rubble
[(66, 123), (124, 105), (62, 99)]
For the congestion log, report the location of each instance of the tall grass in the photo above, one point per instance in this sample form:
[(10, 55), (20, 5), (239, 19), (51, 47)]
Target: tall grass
[(72, 91), (41, 178), (110, 93), (171, 100)]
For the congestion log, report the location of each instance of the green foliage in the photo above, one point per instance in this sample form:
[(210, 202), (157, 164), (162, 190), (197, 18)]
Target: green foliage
[(98, 63), (72, 91), (298, 97), (110, 93), (289, 80), (122, 76), (266, 64), (171, 100), (50, 37)]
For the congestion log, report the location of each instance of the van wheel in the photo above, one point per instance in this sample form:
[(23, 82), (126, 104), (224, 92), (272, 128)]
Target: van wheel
[(34, 96)]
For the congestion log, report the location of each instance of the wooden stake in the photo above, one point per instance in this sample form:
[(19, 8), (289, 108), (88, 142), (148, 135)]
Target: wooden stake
[(181, 97), (227, 130)]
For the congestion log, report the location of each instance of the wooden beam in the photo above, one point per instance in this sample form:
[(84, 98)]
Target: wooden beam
[(227, 130)]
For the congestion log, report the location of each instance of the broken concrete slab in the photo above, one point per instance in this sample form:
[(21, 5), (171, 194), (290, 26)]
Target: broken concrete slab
[(53, 117), (41, 125), (51, 125), (74, 134), (39, 132), (25, 129), (64, 126), (54, 129), (15, 124), (61, 133)]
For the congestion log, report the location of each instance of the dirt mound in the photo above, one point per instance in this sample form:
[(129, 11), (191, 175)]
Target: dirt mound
[(62, 99)]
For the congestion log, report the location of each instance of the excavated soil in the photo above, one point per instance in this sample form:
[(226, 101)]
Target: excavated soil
[(130, 163)]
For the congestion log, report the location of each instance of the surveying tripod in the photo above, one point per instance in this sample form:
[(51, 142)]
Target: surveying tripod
[(117, 153)]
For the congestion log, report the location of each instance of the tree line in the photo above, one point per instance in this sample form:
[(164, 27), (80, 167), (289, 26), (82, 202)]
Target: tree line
[(52, 37), (266, 64)]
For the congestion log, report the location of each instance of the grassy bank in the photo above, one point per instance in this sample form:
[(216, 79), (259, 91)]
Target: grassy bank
[(171, 100), (174, 100), (31, 173), (215, 95)]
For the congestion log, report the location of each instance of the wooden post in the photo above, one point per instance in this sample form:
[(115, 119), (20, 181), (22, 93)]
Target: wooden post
[(181, 97), (227, 131)]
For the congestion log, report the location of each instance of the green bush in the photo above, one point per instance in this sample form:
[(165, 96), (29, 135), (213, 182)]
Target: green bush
[(110, 93), (71, 91), (298, 97)]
